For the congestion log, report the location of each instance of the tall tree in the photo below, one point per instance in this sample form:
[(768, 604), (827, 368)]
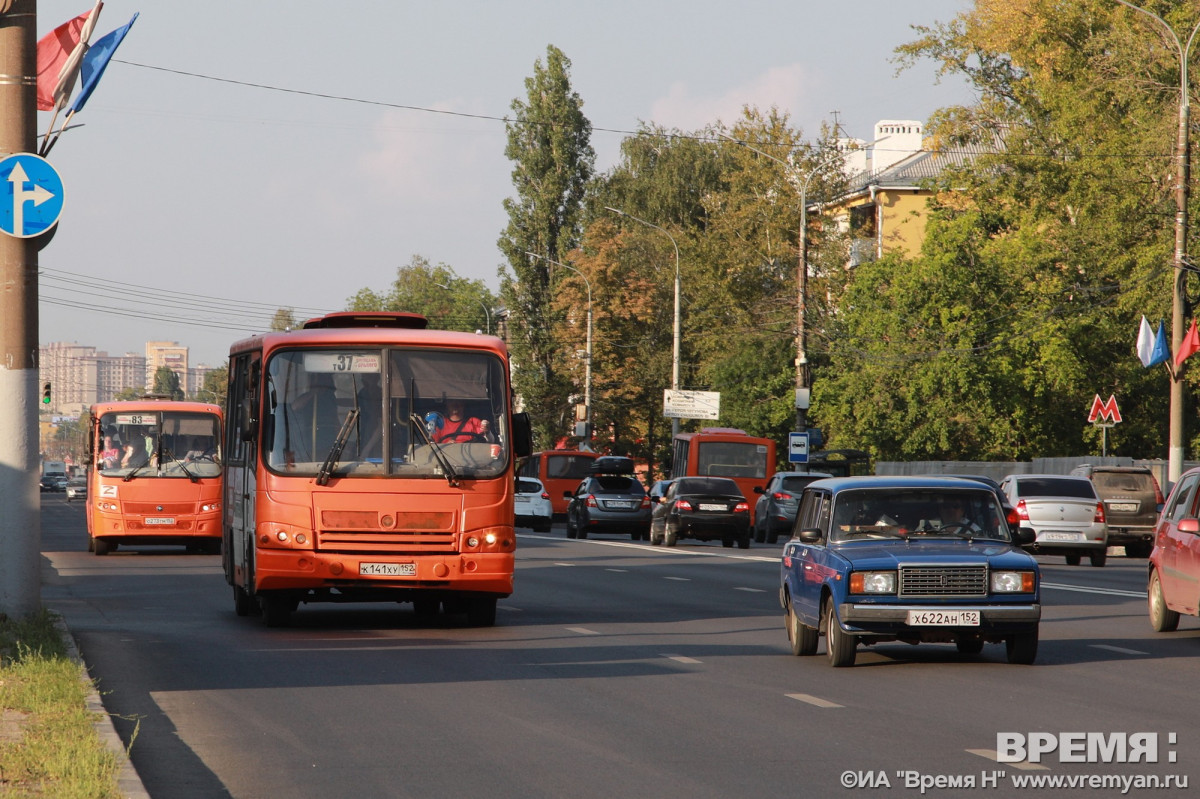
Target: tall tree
[(216, 386), (549, 143), (167, 382), (284, 319)]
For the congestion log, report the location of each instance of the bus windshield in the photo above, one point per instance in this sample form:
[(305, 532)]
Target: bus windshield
[(147, 444), (436, 413)]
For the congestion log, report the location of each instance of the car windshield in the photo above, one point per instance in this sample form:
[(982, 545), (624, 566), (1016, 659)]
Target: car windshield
[(905, 512)]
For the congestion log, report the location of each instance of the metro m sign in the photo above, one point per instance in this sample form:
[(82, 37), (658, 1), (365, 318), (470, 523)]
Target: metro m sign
[(1105, 410)]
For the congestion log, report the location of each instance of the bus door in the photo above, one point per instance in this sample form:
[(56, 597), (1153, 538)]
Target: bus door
[(241, 477)]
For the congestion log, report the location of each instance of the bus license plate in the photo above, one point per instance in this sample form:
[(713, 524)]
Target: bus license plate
[(160, 520), (388, 569), (943, 618)]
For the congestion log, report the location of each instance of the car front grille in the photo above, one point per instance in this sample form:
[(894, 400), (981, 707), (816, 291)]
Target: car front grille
[(943, 581)]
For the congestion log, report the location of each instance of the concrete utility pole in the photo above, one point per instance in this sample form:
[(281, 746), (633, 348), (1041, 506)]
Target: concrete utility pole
[(20, 504), (1179, 284)]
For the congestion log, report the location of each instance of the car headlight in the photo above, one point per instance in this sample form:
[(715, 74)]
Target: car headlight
[(1013, 582), (873, 583)]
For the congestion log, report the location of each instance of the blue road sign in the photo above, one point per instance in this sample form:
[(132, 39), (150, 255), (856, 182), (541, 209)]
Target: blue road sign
[(797, 447), (31, 195)]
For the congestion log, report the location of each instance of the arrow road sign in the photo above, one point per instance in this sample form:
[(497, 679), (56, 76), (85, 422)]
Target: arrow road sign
[(31, 195)]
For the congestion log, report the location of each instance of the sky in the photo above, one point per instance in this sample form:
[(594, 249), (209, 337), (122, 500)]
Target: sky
[(241, 156)]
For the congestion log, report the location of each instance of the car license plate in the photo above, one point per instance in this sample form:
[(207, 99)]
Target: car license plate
[(160, 520), (712, 506), (1123, 507), (943, 618), (617, 503), (523, 499), (388, 569), (1062, 536)]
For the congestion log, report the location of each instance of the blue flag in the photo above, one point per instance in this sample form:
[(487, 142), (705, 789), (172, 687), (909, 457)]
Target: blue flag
[(94, 62), (1161, 352)]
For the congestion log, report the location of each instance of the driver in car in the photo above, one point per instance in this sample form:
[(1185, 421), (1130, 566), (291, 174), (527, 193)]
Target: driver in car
[(458, 427), (951, 515)]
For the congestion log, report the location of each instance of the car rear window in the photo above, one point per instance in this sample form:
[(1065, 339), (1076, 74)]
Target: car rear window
[(1056, 487), (796, 484), (528, 487), (1124, 481), (708, 485), (614, 484)]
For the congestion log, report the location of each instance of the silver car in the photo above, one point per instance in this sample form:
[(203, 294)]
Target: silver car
[(1064, 512)]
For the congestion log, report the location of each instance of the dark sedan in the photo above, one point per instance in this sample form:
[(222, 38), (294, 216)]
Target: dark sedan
[(703, 508)]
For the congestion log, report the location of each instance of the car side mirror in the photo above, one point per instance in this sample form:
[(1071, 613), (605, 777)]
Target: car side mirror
[(568, 494), (810, 535), (1189, 526), (1025, 536), (759, 490)]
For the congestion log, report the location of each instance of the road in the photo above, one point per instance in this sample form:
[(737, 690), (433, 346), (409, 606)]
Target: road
[(615, 669)]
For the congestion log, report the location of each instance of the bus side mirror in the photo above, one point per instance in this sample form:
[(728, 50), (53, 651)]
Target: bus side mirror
[(249, 424), (522, 435)]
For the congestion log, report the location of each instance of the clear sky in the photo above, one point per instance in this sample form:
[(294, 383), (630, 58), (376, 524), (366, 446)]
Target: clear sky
[(207, 184)]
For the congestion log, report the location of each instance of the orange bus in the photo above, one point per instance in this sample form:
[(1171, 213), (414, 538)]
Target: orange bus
[(342, 483), (560, 470), (154, 474), (725, 452)]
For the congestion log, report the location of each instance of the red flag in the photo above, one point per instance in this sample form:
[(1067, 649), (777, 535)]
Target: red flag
[(1189, 345), (53, 52)]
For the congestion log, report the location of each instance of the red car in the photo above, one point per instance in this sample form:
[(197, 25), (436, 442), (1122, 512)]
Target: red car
[(1174, 567)]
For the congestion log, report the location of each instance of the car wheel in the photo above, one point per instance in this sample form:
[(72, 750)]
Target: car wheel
[(727, 541), (570, 528), (744, 540), (655, 540), (1073, 560), (671, 537), (969, 646), (1022, 647), (773, 537), (802, 637), (840, 647), (1162, 618), (1098, 558), (760, 534)]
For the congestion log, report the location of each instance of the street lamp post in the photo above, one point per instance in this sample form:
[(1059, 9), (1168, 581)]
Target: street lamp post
[(801, 181), (587, 379), (1178, 296), (675, 344)]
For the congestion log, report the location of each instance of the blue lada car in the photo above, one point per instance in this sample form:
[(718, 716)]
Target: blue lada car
[(912, 559)]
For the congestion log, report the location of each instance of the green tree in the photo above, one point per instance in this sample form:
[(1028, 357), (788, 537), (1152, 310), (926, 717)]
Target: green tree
[(216, 386), (166, 382), (284, 319), (449, 302), (549, 145)]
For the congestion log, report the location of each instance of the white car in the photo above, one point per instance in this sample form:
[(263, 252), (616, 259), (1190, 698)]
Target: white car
[(76, 488), (533, 507), (1064, 512)]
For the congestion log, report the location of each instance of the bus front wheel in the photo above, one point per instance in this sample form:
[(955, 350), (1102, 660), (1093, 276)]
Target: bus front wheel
[(481, 611), (242, 604), (103, 547), (276, 609)]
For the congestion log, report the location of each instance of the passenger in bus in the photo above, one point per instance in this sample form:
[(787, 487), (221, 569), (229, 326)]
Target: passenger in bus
[(200, 448), (136, 454), (110, 454), (460, 428)]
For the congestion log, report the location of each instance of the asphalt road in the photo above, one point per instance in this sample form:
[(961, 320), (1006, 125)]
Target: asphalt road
[(615, 669)]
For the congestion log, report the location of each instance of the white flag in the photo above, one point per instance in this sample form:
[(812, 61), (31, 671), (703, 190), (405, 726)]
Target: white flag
[(1145, 342)]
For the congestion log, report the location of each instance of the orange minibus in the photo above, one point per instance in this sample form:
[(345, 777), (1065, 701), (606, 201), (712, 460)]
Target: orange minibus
[(348, 477), (725, 452), (154, 474)]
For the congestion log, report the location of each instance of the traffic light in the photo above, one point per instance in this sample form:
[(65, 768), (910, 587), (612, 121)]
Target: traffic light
[(46, 394)]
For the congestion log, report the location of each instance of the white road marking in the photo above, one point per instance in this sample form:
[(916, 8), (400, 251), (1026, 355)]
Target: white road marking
[(1122, 650), (813, 700), (751, 590), (678, 579), (1090, 590), (681, 659), (991, 754), (582, 631)]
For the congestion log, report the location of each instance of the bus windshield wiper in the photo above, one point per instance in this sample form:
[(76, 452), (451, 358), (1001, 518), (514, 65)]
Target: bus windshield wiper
[(335, 452), (451, 475), (182, 466)]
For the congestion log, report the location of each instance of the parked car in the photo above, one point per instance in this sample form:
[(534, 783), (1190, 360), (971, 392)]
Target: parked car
[(532, 504), (76, 488), (1064, 512), (1174, 567), (912, 559), (702, 508), (775, 509), (1132, 502), (612, 500)]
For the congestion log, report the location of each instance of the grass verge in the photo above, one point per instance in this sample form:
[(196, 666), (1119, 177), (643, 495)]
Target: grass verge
[(48, 741)]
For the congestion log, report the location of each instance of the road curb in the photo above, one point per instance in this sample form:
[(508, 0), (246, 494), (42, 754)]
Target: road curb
[(128, 782)]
